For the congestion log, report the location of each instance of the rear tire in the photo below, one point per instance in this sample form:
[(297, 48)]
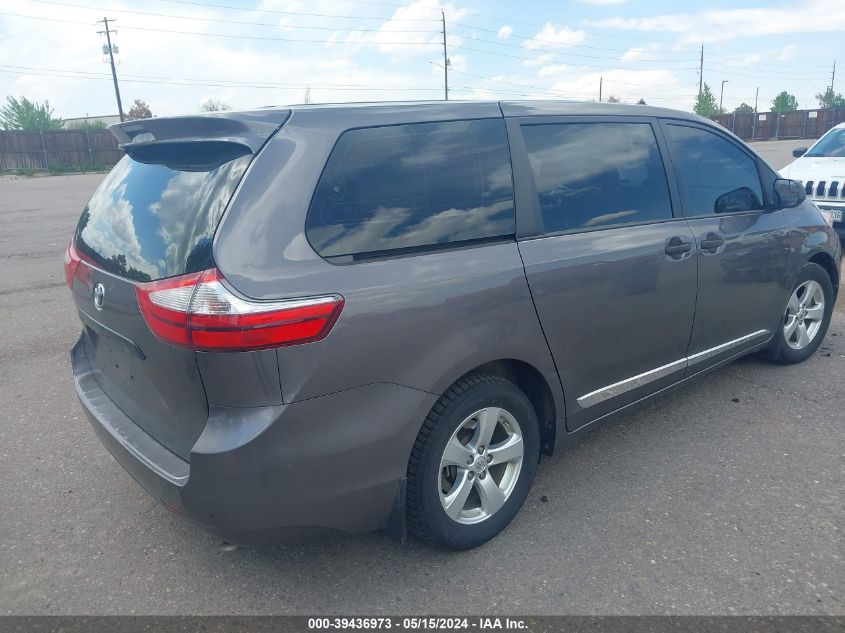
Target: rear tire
[(806, 317), (473, 462)]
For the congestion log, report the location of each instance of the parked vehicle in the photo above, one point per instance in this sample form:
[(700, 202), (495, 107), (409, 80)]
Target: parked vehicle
[(821, 169), (357, 317)]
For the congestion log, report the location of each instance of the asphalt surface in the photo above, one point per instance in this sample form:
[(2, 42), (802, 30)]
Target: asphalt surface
[(779, 153), (725, 497)]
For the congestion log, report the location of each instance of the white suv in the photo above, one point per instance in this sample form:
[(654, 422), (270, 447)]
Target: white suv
[(821, 169)]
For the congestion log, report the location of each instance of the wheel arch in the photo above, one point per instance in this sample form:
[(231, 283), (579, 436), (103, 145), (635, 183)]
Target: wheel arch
[(826, 261), (536, 388)]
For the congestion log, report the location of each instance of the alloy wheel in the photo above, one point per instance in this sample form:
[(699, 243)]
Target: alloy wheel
[(804, 315), (480, 465)]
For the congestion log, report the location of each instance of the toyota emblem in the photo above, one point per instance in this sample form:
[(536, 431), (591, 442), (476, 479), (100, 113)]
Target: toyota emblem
[(99, 296)]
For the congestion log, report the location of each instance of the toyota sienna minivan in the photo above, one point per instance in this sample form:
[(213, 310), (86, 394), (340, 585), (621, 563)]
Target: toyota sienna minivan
[(357, 317)]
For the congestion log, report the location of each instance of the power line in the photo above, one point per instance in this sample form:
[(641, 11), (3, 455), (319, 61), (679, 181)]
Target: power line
[(278, 11), (149, 79), (228, 35), (222, 21), (482, 40), (345, 29)]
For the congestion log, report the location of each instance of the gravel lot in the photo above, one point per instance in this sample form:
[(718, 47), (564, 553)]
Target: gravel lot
[(724, 498)]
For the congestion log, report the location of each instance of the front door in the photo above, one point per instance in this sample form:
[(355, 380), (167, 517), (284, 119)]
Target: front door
[(611, 269), (741, 247)]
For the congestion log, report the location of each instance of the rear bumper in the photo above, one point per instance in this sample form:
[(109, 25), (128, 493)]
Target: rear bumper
[(265, 474)]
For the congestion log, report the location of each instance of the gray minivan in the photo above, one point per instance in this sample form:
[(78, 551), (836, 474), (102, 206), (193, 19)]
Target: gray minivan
[(356, 317)]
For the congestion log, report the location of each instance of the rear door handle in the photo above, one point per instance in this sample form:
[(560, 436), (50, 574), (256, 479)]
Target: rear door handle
[(677, 246), (711, 243)]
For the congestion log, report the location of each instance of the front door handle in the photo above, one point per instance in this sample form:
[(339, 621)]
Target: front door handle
[(676, 247), (711, 243)]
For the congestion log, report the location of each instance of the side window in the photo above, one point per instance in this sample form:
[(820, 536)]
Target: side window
[(714, 175), (597, 174), (413, 186)]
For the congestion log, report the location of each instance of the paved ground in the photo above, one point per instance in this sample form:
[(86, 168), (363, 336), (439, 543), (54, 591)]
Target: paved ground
[(726, 497), (779, 153)]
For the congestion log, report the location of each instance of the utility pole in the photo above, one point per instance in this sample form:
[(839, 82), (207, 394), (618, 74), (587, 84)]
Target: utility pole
[(721, 94), (445, 59), (754, 120), (600, 80), (833, 75), (701, 72), (108, 33)]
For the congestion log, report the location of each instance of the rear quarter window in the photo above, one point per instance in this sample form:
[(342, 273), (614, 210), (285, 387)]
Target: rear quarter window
[(418, 186)]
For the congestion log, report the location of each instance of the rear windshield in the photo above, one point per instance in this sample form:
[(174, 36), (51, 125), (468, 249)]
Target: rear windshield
[(148, 220)]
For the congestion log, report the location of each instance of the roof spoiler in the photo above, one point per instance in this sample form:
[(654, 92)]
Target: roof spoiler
[(249, 129)]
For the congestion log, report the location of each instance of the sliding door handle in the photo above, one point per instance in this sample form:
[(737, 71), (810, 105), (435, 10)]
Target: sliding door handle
[(711, 243), (676, 247)]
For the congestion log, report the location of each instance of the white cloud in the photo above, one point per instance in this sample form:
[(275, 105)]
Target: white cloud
[(504, 32), (639, 52), (714, 25), (540, 60), (552, 69), (628, 85), (602, 2), (458, 62), (552, 36), (787, 53), (396, 35)]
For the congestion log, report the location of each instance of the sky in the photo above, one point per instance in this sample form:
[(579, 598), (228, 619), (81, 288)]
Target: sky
[(175, 54)]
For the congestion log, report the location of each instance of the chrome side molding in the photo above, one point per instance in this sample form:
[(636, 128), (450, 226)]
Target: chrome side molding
[(634, 382)]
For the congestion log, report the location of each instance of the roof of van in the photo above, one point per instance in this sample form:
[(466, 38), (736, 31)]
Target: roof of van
[(514, 108)]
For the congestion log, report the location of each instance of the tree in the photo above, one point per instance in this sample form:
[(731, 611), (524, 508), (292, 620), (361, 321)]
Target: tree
[(641, 102), (828, 99), (139, 110), (784, 102), (95, 124), (23, 114), (214, 105), (613, 99), (744, 108), (705, 103)]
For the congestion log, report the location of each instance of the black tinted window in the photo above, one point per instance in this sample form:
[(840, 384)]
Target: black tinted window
[(595, 174), (147, 220), (411, 186), (714, 175)]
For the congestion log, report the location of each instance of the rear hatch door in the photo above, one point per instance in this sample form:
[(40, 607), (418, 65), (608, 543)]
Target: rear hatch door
[(153, 217)]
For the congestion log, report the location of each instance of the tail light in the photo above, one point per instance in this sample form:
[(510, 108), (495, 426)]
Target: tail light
[(72, 260), (198, 312)]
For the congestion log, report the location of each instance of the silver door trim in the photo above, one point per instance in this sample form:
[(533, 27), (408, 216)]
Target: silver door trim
[(623, 386), (713, 351)]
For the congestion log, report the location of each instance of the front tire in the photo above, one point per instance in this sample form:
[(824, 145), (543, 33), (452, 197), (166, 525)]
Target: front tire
[(806, 317), (473, 462)]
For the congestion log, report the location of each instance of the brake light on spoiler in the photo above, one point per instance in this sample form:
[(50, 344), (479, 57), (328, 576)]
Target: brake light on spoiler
[(196, 311)]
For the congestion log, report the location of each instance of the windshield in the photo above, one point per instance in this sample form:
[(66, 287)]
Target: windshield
[(830, 145), (147, 221)]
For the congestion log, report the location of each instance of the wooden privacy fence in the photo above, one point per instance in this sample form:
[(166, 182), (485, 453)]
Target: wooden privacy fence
[(773, 125), (58, 149)]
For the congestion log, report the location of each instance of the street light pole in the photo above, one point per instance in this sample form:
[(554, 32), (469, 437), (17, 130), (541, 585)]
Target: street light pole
[(721, 94)]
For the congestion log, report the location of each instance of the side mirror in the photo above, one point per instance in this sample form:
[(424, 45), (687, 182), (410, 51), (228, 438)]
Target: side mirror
[(788, 193), (798, 152)]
